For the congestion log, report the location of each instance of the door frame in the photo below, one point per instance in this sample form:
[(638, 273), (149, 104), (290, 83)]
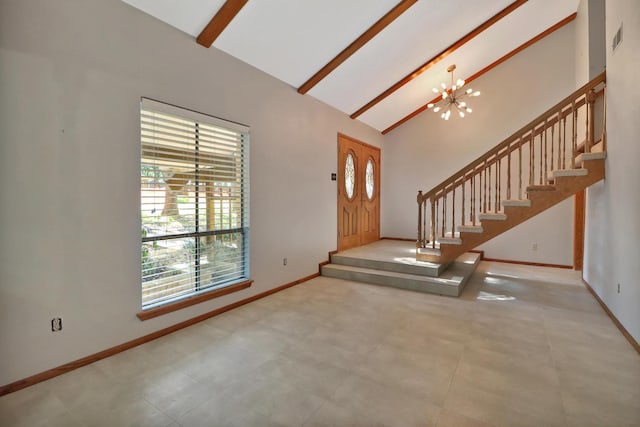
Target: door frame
[(359, 189)]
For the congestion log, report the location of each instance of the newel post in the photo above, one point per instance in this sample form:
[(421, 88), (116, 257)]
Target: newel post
[(419, 243)]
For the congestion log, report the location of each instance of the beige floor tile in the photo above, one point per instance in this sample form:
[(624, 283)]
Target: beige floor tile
[(133, 364), (265, 396), (230, 358), (306, 373), (231, 321), (195, 338), (592, 407), (449, 418), (35, 406), (175, 393), (119, 405), (425, 375), (384, 403), (332, 415), (523, 346), (500, 403), (78, 386)]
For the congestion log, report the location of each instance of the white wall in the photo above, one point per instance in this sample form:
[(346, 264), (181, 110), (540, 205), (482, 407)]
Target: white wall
[(590, 40), (426, 150), (71, 76), (612, 240), (582, 43)]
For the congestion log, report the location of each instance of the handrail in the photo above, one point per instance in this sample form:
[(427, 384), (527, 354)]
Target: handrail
[(526, 157), (522, 131)]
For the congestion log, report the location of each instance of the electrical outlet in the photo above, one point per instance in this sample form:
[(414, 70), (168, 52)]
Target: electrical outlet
[(534, 247), (284, 261), (56, 324)]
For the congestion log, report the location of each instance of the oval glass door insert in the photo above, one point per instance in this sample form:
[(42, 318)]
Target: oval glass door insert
[(349, 176), (369, 181)]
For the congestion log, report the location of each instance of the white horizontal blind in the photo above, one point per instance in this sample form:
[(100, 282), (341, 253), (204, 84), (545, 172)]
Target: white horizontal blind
[(194, 203)]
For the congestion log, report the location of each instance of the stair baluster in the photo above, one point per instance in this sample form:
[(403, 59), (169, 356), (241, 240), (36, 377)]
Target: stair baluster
[(489, 191), (444, 211), (591, 100), (541, 154), (434, 210), (532, 155), (424, 225), (519, 168), (546, 133), (420, 240), (498, 182), (509, 173), (472, 217), (574, 133), (464, 184)]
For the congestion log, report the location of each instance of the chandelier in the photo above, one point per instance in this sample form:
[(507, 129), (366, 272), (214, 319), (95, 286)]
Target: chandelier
[(452, 98)]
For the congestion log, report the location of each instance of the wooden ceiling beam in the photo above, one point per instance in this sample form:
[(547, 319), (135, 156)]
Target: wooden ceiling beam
[(383, 22), (219, 22), (439, 57), (488, 68)]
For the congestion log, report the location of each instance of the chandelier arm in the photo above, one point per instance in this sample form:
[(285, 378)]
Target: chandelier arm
[(451, 97)]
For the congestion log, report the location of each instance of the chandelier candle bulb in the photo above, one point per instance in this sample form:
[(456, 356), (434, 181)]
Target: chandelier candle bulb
[(451, 97)]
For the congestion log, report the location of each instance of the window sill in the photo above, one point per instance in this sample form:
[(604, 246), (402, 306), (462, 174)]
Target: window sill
[(196, 299)]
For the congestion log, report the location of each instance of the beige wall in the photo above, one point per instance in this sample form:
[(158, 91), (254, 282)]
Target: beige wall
[(71, 76), (612, 241), (426, 150)]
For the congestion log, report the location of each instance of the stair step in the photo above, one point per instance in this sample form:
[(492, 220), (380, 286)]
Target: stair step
[(450, 240), (450, 282), (517, 202), (590, 156), (431, 251), (533, 188), (493, 216), (389, 256), (470, 228), (414, 282), (566, 172)]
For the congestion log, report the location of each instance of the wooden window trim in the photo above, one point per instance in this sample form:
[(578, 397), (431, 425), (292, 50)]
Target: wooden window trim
[(192, 300)]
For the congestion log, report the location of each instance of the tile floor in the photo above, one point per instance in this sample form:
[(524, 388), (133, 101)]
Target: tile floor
[(523, 346)]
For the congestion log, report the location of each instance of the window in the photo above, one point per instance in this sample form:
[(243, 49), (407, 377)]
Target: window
[(194, 203)]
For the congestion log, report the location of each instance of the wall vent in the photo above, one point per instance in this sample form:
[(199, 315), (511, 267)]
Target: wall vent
[(617, 39)]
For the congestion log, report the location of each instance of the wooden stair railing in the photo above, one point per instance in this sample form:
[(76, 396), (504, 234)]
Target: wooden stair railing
[(541, 157)]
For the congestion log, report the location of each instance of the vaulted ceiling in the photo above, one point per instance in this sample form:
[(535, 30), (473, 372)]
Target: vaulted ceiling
[(376, 60)]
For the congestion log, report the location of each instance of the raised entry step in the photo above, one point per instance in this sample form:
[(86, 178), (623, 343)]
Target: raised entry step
[(392, 263)]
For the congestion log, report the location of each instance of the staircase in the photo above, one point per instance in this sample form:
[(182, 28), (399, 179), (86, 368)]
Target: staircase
[(535, 168)]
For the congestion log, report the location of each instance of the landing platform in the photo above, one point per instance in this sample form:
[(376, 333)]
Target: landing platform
[(393, 263)]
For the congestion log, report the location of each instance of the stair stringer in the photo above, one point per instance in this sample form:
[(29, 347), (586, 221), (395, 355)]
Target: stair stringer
[(564, 187)]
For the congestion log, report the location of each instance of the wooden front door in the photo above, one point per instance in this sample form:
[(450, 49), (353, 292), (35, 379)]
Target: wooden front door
[(358, 193)]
